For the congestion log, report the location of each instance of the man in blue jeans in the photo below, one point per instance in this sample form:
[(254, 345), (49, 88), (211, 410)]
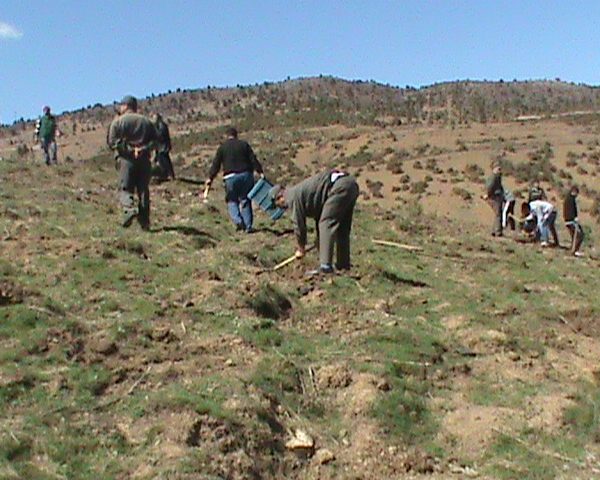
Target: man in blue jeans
[(544, 213), (238, 162)]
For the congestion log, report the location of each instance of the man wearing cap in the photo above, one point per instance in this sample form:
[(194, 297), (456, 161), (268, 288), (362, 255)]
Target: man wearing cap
[(164, 166), (132, 136), (495, 197), (46, 131), (238, 162), (329, 198)]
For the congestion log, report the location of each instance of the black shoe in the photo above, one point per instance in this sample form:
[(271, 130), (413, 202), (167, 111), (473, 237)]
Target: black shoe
[(320, 270), (239, 227), (250, 230), (144, 224), (128, 220)]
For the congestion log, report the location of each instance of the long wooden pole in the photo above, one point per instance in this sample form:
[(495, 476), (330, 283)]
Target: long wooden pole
[(411, 248)]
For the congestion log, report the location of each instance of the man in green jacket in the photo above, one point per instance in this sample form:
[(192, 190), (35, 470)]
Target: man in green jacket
[(46, 131), (329, 198), (495, 197), (132, 136)]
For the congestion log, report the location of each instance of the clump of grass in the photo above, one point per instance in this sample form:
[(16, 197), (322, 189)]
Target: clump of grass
[(582, 418), (462, 193), (270, 302), (419, 187)]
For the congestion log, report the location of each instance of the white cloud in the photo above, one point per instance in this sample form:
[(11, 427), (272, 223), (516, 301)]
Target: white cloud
[(7, 31)]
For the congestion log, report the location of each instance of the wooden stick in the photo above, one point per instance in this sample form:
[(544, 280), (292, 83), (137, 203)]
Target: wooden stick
[(205, 194), (410, 248), (289, 260), (558, 456)]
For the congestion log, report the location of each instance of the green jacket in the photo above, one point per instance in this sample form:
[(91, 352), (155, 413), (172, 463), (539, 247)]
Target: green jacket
[(129, 131), (306, 200), (494, 187), (47, 129)]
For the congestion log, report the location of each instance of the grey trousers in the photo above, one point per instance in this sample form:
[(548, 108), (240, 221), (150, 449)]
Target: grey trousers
[(335, 222), (134, 176), (496, 204)]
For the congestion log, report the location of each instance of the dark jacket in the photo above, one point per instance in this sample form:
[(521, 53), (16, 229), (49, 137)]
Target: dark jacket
[(163, 141), (494, 187), (536, 193), (570, 208), (234, 156)]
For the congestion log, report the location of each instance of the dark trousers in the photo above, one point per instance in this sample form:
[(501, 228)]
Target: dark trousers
[(237, 188), (577, 235), (335, 222), (496, 204), (49, 148), (164, 166), (135, 178)]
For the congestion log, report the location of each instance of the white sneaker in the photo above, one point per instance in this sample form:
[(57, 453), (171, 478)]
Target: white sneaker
[(578, 254), (544, 244)]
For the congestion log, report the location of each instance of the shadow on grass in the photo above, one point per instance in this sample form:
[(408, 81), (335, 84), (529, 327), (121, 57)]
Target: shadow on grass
[(202, 239), (193, 181), (397, 279), (277, 233)]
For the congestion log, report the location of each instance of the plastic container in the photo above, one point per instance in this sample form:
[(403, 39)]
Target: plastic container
[(260, 195)]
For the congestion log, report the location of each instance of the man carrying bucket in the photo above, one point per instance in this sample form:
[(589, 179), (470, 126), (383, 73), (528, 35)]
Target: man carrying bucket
[(239, 163), (329, 198)]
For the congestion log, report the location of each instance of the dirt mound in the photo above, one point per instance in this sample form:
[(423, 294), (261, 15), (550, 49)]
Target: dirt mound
[(11, 293)]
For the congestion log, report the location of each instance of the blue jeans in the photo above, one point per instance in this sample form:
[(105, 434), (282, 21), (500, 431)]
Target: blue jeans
[(547, 226), (237, 188)]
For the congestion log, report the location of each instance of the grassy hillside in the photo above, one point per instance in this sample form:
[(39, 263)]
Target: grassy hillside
[(173, 354)]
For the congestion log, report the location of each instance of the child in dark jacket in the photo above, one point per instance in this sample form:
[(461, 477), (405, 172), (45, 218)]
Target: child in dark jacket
[(571, 220)]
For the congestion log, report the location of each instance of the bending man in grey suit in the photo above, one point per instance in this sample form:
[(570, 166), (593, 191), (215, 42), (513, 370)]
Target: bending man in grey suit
[(329, 198)]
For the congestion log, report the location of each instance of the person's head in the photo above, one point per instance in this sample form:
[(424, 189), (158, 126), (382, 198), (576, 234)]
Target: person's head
[(46, 110), (231, 132), (525, 209), (574, 190), (128, 104), (156, 117), (277, 194), (496, 169)]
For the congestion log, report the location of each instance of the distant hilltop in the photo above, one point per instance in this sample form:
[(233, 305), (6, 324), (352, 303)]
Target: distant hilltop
[(326, 100)]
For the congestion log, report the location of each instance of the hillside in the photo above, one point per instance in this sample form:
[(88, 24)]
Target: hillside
[(177, 354)]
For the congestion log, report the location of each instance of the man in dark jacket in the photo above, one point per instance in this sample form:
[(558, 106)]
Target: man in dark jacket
[(238, 162), (536, 192), (164, 166), (329, 198), (132, 136), (46, 131), (495, 197), (570, 215)]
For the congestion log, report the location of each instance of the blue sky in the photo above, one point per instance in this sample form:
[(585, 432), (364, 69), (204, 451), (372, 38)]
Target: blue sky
[(71, 53)]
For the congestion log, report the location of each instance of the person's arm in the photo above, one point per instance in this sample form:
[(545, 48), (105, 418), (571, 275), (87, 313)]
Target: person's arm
[(254, 162), (36, 132), (489, 188), (112, 136), (299, 219), (168, 135), (215, 166), (57, 131)]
